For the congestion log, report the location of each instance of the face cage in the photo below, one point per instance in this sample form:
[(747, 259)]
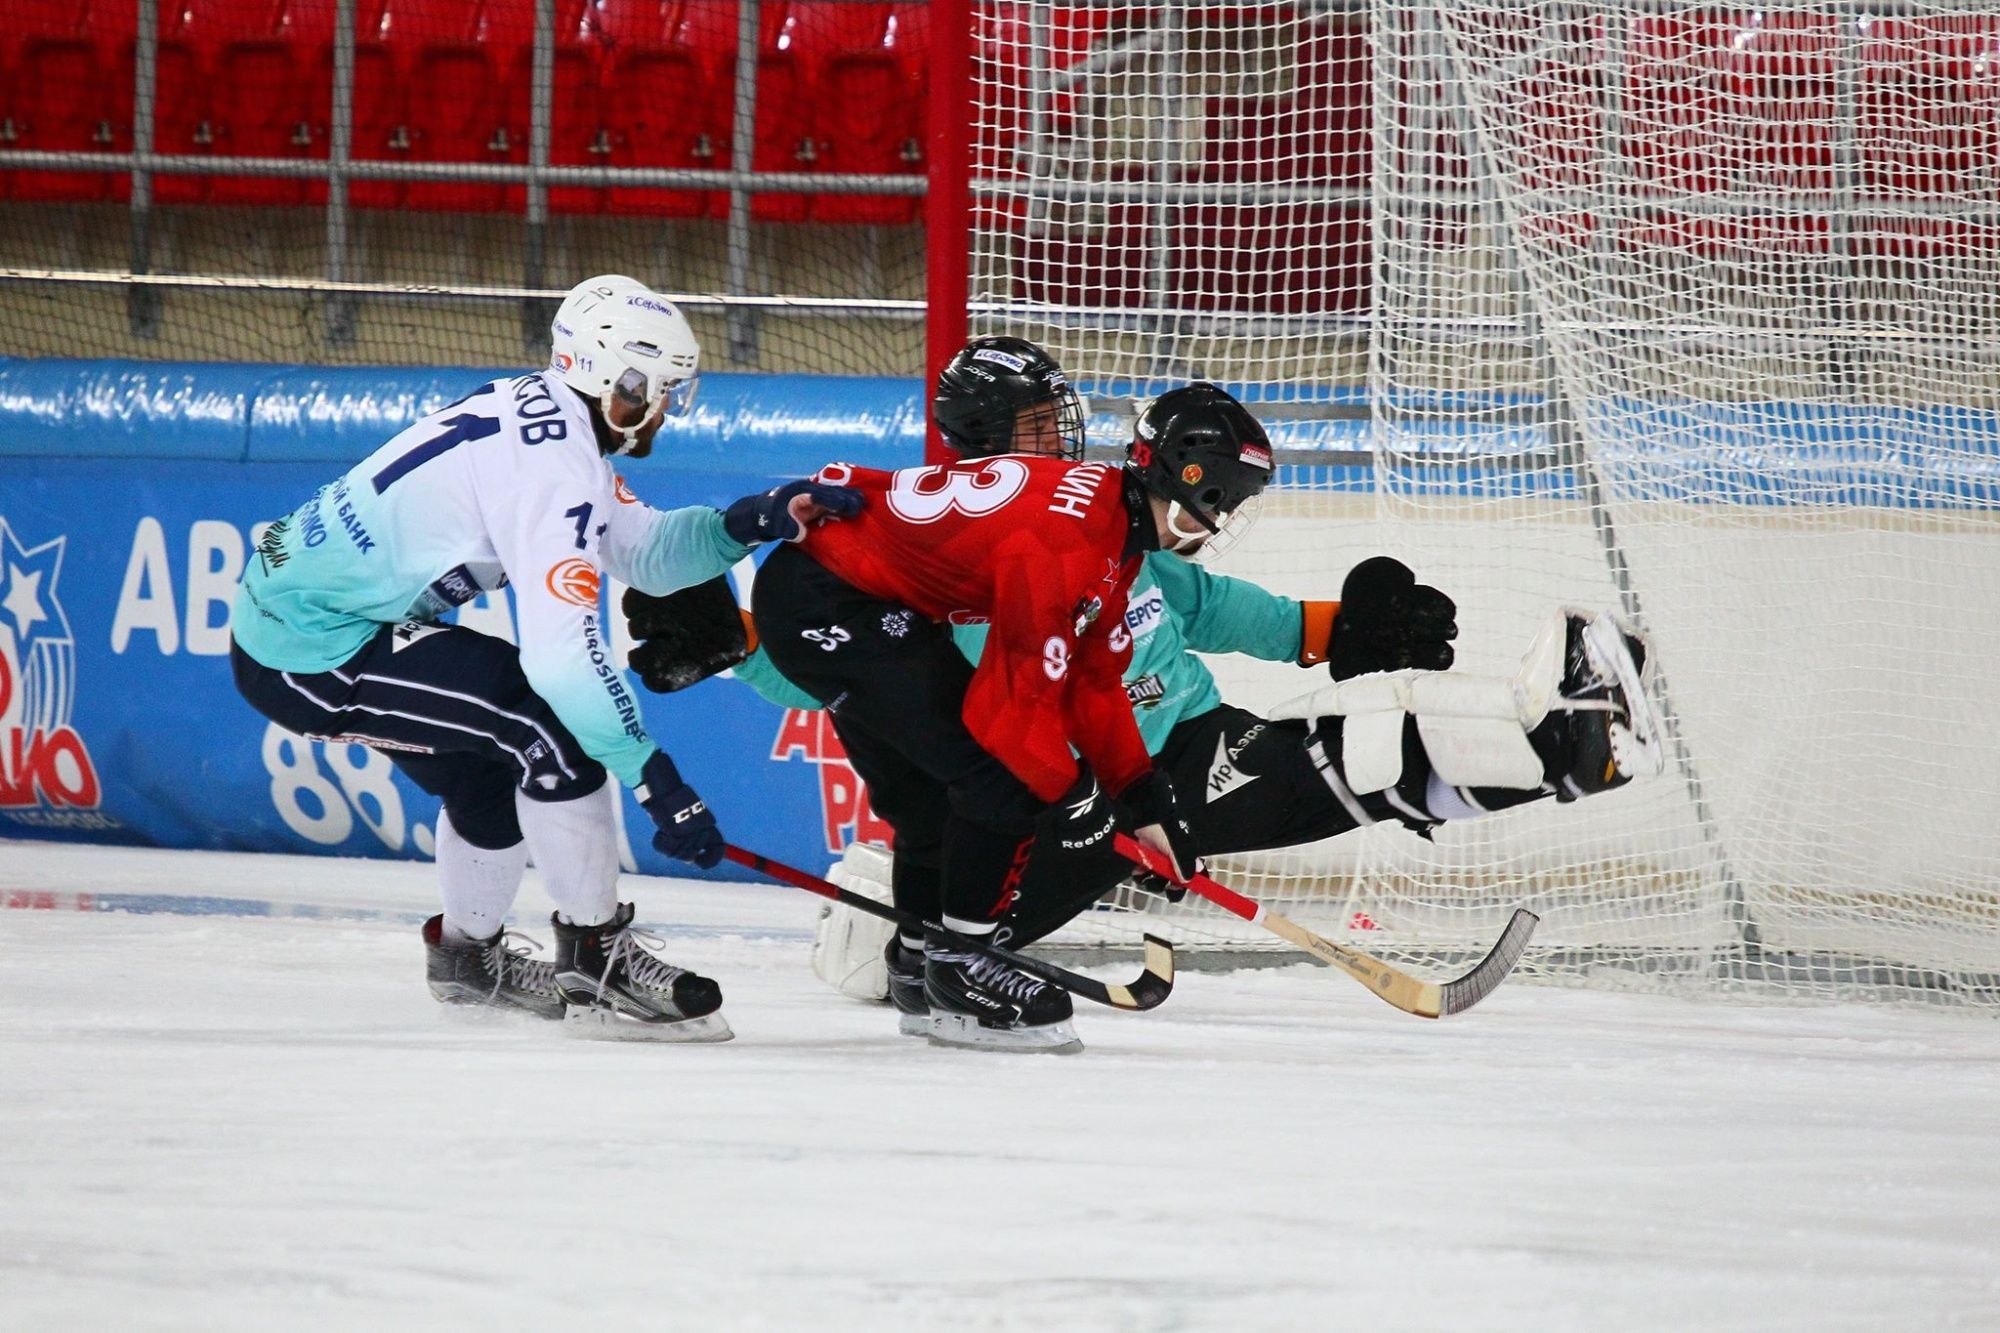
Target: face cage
[(1070, 424), (1069, 428), (1232, 527)]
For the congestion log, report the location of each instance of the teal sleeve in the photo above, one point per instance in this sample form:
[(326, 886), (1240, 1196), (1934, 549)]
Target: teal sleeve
[(678, 549), (1219, 614), (757, 672), (971, 640)]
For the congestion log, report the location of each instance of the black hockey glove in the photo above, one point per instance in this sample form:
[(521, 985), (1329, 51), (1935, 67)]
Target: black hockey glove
[(1157, 821), (783, 513), (686, 636), (1389, 622), (688, 832)]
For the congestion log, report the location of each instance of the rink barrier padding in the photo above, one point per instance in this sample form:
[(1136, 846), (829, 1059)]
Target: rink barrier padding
[(130, 496)]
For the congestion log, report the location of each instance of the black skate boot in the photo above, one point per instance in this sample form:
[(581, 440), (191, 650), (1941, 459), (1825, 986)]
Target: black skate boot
[(906, 987), (978, 1000), (497, 973), (1603, 731), (616, 985)]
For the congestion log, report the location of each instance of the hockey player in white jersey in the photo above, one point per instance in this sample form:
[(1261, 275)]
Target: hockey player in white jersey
[(336, 635)]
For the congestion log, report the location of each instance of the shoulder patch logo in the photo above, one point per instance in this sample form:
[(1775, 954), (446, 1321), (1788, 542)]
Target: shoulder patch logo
[(623, 492), (576, 581)]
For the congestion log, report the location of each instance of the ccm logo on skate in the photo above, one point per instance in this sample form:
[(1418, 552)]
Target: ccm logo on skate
[(1055, 658), (576, 581)]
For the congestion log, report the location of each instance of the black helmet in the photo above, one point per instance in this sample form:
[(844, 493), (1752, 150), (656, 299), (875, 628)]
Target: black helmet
[(1201, 450), (982, 392)]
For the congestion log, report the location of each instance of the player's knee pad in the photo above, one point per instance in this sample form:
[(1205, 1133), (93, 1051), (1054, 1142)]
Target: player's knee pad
[(848, 945)]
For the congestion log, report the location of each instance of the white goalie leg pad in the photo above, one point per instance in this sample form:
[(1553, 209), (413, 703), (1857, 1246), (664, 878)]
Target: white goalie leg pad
[(848, 945), (1474, 728), (1371, 742)]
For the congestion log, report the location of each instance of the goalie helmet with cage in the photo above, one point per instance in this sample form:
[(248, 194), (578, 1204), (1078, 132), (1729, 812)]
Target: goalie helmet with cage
[(1006, 395), (615, 340), (1202, 452)]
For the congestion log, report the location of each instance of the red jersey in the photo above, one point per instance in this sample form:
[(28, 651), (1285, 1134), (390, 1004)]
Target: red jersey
[(1036, 548)]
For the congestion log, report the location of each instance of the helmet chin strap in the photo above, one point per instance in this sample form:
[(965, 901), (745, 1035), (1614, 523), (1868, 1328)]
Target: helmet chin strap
[(628, 435), (1184, 541)]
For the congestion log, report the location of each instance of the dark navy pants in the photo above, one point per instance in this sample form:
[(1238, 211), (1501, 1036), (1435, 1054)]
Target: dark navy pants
[(451, 707)]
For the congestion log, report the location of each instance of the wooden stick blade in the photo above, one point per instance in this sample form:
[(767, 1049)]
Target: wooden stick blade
[(1154, 985)]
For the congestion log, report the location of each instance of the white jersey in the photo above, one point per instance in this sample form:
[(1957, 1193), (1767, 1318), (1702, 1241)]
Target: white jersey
[(504, 486)]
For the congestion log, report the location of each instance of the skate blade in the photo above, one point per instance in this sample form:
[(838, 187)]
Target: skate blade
[(468, 1005), (914, 1025), (964, 1031), (596, 1023)]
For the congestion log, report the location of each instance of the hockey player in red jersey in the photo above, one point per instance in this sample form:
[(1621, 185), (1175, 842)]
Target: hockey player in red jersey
[(961, 760)]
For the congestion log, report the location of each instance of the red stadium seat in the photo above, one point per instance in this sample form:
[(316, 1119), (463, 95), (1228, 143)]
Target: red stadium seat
[(1742, 101), (458, 100), (272, 90), (577, 133), (871, 97), (1930, 105), (383, 38), (669, 98), (793, 43), (1002, 57), (1090, 263), (182, 90), (1271, 259), (61, 97)]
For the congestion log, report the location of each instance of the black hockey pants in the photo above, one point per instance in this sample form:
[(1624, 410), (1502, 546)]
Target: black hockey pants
[(451, 707), (894, 684)]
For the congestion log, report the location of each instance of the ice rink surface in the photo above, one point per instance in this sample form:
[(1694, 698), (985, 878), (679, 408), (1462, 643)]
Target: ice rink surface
[(228, 1122)]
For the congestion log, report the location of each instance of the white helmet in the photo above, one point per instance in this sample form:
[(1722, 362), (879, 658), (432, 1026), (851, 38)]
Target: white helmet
[(614, 337)]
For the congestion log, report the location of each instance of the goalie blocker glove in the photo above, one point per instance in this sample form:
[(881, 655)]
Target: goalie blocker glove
[(1390, 622), (687, 829), (686, 636)]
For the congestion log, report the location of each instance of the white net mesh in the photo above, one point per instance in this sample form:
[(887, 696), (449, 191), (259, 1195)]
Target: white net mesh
[(1684, 311)]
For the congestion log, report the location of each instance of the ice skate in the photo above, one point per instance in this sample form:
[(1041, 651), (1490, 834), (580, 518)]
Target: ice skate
[(1604, 729), (496, 973), (906, 987), (979, 1001), (615, 985)]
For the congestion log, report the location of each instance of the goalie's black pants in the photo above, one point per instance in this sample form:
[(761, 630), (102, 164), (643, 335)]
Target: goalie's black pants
[(1245, 783), (894, 684), (451, 707)]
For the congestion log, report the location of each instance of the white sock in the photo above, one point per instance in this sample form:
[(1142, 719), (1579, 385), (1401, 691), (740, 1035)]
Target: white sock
[(1445, 801), (576, 849), (477, 884)]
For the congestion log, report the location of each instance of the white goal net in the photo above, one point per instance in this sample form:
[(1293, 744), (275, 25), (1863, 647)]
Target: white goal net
[(1690, 312)]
